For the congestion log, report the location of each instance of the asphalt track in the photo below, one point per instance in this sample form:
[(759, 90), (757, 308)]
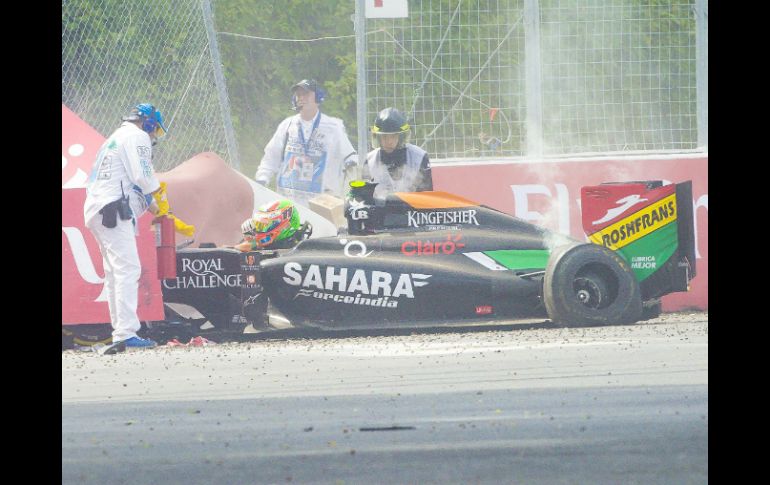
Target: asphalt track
[(520, 404)]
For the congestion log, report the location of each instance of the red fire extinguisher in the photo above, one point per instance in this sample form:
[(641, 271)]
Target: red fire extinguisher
[(165, 242)]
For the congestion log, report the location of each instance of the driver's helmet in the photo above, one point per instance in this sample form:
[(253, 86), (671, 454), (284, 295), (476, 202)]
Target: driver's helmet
[(152, 120), (390, 121), (273, 222)]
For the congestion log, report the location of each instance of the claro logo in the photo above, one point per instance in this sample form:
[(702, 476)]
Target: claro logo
[(430, 248)]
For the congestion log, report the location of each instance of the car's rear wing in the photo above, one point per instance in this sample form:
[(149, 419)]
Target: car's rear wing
[(650, 225)]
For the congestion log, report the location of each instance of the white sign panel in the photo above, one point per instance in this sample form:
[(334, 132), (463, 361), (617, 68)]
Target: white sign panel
[(386, 9)]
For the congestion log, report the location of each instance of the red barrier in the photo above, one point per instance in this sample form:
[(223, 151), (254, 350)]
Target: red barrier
[(82, 270), (548, 193), (82, 275), (79, 144)]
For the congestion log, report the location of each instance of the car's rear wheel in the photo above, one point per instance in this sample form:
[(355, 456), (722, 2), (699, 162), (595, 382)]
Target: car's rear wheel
[(587, 284)]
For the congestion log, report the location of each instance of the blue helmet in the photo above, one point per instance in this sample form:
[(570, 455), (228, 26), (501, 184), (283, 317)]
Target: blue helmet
[(152, 120)]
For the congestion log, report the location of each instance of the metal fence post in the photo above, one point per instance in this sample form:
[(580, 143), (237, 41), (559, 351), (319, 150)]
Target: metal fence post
[(533, 86), (360, 28), (702, 70), (224, 104)]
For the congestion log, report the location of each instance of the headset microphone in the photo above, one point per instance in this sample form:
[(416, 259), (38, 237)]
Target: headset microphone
[(310, 85)]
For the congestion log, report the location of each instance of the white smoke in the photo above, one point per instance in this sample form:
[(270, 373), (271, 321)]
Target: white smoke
[(605, 79)]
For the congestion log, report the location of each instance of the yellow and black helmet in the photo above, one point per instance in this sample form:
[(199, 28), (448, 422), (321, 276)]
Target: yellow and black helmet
[(391, 121)]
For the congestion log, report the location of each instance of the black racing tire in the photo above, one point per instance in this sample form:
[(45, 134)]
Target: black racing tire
[(590, 285)]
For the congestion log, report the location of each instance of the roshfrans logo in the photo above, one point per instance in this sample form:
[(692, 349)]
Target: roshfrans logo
[(430, 248), (638, 224), (435, 218), (623, 205), (358, 287)]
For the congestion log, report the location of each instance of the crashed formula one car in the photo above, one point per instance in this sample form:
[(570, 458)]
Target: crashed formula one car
[(433, 259)]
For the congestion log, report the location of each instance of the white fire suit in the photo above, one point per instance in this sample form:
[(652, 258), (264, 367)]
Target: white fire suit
[(308, 161), (410, 164), (122, 166)]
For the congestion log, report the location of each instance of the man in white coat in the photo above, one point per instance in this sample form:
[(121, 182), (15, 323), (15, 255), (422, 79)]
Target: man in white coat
[(119, 190), (310, 152)]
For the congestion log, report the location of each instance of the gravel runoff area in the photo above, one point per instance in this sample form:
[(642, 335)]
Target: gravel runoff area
[(328, 364)]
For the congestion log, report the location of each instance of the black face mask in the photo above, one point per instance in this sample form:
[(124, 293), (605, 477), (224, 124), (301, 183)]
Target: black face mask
[(395, 158)]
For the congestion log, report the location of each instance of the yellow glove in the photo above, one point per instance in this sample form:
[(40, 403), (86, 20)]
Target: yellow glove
[(164, 210), (161, 200), (182, 227)]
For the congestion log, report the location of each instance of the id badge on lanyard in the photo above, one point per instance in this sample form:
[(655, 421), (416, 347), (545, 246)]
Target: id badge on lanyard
[(303, 171), (304, 161), (301, 132)]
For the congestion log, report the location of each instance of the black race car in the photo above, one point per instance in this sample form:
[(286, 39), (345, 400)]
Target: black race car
[(434, 259)]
